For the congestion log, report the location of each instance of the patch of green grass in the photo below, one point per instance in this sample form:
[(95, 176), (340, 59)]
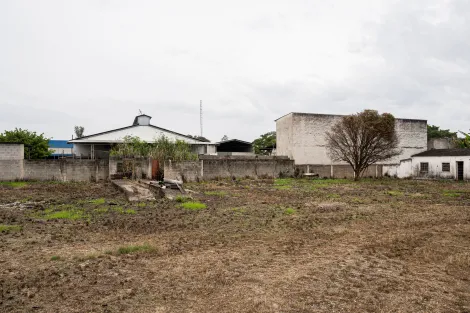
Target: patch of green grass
[(101, 210), (134, 249), (142, 204), (55, 258), (129, 211), (193, 205), (289, 211), (215, 193), (8, 228), (98, 201), (394, 193), (182, 199), (283, 181), (453, 193), (14, 184), (65, 214)]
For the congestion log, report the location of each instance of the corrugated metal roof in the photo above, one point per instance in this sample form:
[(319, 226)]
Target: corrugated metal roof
[(59, 144)]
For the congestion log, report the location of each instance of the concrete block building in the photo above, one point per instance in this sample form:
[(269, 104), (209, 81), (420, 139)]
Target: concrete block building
[(301, 137)]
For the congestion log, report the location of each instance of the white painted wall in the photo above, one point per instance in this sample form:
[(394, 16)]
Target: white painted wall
[(301, 136), (411, 168)]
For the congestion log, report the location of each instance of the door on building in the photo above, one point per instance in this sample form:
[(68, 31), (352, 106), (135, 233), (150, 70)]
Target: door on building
[(460, 170), (155, 169)]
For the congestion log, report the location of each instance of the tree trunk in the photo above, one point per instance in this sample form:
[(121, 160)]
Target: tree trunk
[(357, 174)]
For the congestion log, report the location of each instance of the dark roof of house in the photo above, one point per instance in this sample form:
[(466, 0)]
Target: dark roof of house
[(233, 140), (59, 144), (150, 125), (444, 152)]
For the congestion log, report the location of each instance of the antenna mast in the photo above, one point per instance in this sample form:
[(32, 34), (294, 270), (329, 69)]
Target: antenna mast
[(200, 114)]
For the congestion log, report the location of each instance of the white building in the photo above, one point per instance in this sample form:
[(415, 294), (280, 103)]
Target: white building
[(301, 136), (99, 145), (437, 163)]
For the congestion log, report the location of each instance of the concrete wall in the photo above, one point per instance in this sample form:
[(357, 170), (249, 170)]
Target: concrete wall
[(61, 170), (411, 167), (301, 136), (214, 167), (11, 151), (142, 167), (441, 143), (337, 170)]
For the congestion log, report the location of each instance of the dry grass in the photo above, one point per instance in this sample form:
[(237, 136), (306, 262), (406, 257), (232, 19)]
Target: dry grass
[(284, 246)]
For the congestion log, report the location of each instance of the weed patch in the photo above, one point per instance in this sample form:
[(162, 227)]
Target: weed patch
[(394, 193), (289, 211), (8, 228), (453, 193), (134, 249), (14, 184), (65, 214), (55, 258), (182, 199), (193, 205), (98, 201)]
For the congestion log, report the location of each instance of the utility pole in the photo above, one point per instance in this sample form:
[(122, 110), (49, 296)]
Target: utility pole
[(200, 114)]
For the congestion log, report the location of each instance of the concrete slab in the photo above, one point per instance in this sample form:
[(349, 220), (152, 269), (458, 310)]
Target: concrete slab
[(133, 190)]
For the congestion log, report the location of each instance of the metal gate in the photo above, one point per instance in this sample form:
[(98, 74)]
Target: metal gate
[(155, 169)]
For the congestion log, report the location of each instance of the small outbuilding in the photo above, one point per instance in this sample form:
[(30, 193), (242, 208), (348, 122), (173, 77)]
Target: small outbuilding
[(234, 147), (437, 163)]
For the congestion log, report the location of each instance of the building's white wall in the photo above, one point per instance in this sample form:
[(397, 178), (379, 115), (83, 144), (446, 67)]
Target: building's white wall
[(284, 144), (435, 166), (301, 136), (404, 170)]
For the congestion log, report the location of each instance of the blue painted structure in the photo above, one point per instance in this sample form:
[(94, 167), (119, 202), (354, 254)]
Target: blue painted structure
[(60, 148)]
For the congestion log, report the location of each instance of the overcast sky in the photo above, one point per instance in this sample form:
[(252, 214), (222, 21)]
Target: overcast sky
[(97, 63)]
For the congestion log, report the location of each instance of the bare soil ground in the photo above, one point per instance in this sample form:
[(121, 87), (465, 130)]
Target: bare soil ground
[(258, 246)]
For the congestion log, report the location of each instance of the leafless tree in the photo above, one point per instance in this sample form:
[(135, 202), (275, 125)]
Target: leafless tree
[(363, 139), (79, 131)]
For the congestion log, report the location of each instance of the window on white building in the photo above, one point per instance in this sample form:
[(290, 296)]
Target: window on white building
[(446, 167), (424, 167)]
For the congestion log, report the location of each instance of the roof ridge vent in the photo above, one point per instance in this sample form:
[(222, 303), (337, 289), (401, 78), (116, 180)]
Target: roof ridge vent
[(142, 120)]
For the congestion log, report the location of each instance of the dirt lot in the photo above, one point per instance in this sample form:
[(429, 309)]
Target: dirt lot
[(256, 246)]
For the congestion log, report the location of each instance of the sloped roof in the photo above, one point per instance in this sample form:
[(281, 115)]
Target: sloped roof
[(233, 140), (444, 152), (147, 133)]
